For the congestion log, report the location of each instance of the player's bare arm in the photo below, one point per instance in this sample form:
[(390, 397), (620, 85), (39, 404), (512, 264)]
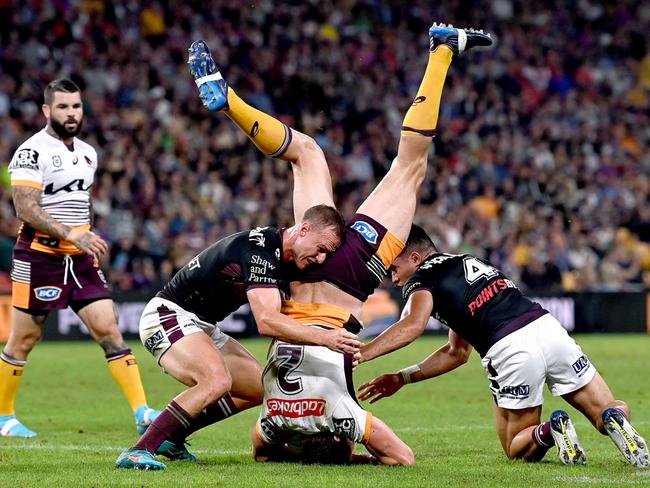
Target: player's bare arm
[(453, 354), (265, 305), (416, 315), (28, 209)]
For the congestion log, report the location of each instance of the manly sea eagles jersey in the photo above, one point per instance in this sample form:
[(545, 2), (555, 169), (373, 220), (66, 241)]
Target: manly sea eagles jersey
[(64, 174), (214, 283), (473, 298)]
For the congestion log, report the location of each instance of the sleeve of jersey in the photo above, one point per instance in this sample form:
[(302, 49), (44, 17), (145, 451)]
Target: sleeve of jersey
[(25, 169), (414, 284), (260, 269)]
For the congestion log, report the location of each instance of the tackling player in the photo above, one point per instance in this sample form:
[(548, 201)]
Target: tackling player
[(56, 257), (332, 295), (521, 345), (179, 329)]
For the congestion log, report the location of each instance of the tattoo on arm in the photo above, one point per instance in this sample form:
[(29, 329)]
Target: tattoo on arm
[(28, 209)]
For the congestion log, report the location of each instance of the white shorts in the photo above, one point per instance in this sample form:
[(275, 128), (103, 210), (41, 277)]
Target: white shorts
[(307, 390), (164, 322), (541, 352)]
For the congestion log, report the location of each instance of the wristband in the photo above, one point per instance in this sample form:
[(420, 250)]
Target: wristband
[(407, 372)]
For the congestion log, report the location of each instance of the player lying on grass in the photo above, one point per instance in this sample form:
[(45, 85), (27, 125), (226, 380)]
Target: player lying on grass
[(309, 405), (521, 345)]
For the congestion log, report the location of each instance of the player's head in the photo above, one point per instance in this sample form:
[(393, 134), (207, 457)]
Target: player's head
[(418, 247), (326, 448), (319, 233), (62, 107)]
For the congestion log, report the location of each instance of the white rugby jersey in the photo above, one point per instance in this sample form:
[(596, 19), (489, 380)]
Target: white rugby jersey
[(65, 176), (307, 390)]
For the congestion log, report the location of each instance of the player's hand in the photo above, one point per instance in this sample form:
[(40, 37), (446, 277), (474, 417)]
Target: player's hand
[(88, 242), (340, 340), (381, 387), (356, 360)]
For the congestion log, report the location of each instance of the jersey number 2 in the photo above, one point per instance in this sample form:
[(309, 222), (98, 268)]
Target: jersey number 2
[(291, 357)]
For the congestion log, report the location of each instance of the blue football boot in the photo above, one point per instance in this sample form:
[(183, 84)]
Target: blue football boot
[(458, 40), (176, 452), (629, 442), (143, 418), (213, 89), (566, 440), (138, 459), (10, 426)]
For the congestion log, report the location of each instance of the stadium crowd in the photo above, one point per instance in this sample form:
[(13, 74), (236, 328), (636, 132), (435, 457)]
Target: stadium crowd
[(540, 163)]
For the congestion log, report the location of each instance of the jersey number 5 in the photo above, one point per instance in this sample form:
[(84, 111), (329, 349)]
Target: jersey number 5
[(291, 357), (475, 269)]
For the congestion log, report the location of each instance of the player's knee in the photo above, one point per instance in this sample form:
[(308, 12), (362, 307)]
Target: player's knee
[(216, 387), (20, 346)]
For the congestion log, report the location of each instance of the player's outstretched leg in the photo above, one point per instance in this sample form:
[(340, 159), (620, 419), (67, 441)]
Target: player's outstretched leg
[(626, 438), (270, 135), (138, 459), (458, 40), (568, 446)]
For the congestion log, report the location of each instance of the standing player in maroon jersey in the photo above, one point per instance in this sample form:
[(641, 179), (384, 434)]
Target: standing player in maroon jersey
[(521, 345)]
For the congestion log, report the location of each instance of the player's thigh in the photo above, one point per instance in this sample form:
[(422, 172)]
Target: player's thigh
[(392, 203), (509, 422), (193, 359), (245, 370), (312, 182), (568, 368), (26, 331), (592, 398), (101, 319)]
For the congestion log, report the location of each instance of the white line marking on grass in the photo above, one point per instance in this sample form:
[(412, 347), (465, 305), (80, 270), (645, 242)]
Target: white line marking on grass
[(590, 480), (63, 447)]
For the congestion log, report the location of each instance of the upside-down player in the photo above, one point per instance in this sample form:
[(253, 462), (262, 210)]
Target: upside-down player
[(331, 295)]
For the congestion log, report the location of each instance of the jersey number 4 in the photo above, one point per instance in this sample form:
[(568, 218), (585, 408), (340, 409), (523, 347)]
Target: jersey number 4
[(475, 269), (291, 357)]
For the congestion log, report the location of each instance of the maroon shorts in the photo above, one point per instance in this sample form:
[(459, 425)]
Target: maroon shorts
[(43, 282)]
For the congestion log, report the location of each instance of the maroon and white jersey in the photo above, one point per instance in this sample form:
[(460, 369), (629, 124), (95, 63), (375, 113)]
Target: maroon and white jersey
[(307, 390), (64, 174), (214, 283), (473, 298)]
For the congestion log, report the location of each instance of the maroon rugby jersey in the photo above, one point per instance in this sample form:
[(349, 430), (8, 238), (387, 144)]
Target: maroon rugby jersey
[(473, 298)]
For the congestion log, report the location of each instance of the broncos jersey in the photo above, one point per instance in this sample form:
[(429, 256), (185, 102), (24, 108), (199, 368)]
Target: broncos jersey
[(473, 298), (214, 283), (64, 174)]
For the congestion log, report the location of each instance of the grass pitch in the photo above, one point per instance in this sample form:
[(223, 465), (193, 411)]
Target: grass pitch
[(69, 398)]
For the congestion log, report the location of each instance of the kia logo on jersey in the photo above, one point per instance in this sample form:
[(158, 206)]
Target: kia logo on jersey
[(47, 293), (366, 230)]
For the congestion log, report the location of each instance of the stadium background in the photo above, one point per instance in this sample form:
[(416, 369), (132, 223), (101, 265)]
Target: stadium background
[(540, 165)]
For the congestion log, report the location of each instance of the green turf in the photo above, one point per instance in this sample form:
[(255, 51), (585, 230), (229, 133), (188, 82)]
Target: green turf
[(83, 423)]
